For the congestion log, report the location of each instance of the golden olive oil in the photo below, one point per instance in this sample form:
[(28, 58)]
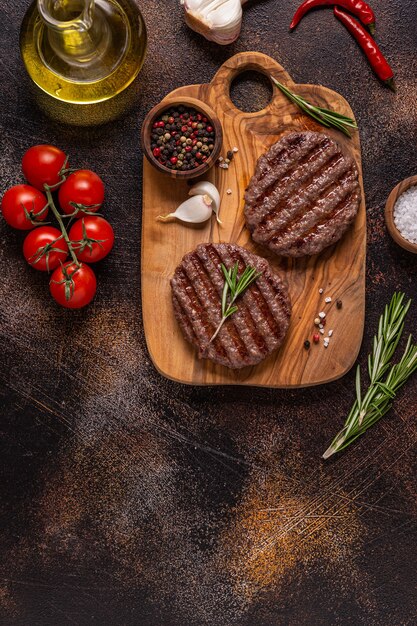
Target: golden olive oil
[(83, 57)]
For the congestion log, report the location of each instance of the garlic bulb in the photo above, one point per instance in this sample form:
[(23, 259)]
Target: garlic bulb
[(204, 201), (216, 20)]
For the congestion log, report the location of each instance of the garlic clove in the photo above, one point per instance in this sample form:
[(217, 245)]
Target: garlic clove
[(207, 188), (216, 20), (195, 210)]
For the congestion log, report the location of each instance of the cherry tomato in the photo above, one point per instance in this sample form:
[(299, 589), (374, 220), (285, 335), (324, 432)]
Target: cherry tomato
[(83, 187), (93, 237), (16, 200), (73, 287), (42, 164), (42, 250)]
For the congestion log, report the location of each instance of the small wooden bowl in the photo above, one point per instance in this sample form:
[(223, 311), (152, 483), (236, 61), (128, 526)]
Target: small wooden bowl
[(157, 111), (389, 214)]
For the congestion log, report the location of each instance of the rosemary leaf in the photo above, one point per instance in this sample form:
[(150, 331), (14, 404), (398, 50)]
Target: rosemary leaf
[(236, 286), (385, 379), (230, 311), (323, 116), (224, 296)]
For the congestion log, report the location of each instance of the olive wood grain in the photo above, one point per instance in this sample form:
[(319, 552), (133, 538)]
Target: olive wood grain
[(389, 214), (339, 270)]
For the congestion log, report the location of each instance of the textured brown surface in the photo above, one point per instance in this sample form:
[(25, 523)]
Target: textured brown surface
[(129, 499)]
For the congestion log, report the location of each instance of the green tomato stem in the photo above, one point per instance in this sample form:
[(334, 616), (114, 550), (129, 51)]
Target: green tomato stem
[(58, 216)]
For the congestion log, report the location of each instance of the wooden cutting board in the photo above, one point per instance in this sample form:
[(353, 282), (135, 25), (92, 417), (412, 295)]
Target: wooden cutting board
[(339, 270)]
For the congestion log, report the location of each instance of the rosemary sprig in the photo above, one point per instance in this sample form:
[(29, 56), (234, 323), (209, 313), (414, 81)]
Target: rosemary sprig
[(233, 288), (323, 116), (377, 401)]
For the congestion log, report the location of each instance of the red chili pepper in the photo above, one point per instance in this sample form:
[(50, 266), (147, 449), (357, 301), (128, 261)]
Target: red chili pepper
[(374, 55), (359, 8)]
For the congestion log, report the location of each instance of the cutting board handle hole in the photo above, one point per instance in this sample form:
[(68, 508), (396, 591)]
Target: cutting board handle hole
[(254, 83)]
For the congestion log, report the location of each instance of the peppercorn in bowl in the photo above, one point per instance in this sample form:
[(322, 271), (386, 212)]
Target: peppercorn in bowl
[(182, 138)]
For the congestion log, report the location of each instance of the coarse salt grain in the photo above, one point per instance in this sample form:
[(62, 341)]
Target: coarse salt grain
[(405, 214), (228, 191), (328, 299), (320, 291), (235, 149), (322, 315), (330, 333)]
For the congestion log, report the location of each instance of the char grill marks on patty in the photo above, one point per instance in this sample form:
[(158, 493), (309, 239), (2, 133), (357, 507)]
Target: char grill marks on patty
[(258, 326), (303, 196)]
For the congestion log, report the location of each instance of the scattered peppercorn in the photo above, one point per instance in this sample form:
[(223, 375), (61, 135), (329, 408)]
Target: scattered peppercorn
[(339, 304), (307, 344), (225, 162), (182, 138), (316, 338)]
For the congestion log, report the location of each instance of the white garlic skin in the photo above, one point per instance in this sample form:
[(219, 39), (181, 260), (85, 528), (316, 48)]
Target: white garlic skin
[(207, 188), (195, 210), (217, 20)]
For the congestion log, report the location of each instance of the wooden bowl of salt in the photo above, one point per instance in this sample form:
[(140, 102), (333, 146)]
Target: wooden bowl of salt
[(401, 214)]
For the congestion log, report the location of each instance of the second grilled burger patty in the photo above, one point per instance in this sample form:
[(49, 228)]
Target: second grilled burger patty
[(258, 326), (303, 196)]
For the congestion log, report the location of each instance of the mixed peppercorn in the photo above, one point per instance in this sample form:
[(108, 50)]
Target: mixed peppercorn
[(320, 323), (182, 138)]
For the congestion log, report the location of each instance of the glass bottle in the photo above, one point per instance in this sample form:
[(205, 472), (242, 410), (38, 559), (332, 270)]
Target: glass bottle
[(83, 57)]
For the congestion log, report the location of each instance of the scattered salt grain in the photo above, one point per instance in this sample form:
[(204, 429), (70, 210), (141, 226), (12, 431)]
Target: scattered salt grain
[(328, 299), (321, 331), (405, 214), (228, 191), (322, 315), (235, 149), (321, 291), (330, 333), (224, 166)]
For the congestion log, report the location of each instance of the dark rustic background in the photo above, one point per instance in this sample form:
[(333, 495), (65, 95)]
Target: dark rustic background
[(129, 499)]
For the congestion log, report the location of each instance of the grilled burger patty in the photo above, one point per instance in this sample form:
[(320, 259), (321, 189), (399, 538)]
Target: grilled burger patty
[(256, 329), (303, 196)]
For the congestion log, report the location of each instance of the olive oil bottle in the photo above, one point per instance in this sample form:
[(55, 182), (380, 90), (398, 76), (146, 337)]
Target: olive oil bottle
[(83, 57)]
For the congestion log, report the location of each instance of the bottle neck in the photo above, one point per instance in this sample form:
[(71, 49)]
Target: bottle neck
[(75, 32), (63, 15), (82, 40)]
